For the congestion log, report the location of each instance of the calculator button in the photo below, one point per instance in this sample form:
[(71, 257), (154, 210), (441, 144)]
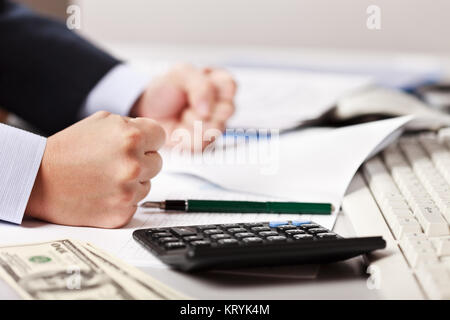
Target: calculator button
[(206, 226), (268, 233), (303, 237), (181, 232), (258, 229), (212, 231), (153, 230), (253, 224), (252, 240), (275, 224), (230, 225), (200, 243), (294, 231), (300, 223), (317, 230), (220, 236), (243, 234), (307, 226), (192, 238), (227, 242), (326, 235), (167, 239), (236, 230), (276, 238), (286, 227), (161, 234), (174, 245)]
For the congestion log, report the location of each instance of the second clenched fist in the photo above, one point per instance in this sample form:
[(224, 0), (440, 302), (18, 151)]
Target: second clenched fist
[(95, 172)]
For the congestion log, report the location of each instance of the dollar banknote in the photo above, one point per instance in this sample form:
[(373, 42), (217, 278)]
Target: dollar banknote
[(70, 269)]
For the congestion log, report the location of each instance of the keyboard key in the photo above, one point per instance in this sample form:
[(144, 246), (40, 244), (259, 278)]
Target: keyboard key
[(303, 237), (227, 242), (418, 250), (275, 224), (192, 238), (294, 231), (317, 230), (442, 245), (298, 223), (402, 226), (167, 239), (433, 223), (285, 227), (327, 235), (200, 243), (212, 231), (435, 279), (243, 234), (236, 230), (220, 236), (252, 240), (181, 232), (174, 245), (268, 233), (258, 229), (276, 238), (161, 234)]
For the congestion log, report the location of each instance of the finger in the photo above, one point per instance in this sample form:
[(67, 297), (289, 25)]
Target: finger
[(154, 134), (201, 93), (225, 84), (201, 134), (142, 191), (152, 164), (222, 111)]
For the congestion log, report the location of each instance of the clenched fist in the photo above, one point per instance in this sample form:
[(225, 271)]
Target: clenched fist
[(95, 172), (185, 95)]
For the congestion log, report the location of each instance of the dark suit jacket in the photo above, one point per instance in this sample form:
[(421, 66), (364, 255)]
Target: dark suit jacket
[(46, 70)]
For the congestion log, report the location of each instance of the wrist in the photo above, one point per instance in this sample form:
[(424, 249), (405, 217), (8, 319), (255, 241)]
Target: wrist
[(136, 108)]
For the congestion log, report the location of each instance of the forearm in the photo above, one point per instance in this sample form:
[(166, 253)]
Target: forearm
[(47, 71)]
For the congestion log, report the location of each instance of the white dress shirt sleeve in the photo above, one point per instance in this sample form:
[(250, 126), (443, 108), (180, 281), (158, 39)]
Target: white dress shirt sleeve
[(116, 92), (21, 153)]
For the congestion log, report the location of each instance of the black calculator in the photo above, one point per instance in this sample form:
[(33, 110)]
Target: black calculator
[(233, 245)]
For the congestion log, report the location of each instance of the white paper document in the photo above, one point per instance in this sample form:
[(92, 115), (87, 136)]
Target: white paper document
[(268, 98), (304, 166)]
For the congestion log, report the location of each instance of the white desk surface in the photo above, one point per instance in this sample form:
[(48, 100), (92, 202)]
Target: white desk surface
[(342, 280)]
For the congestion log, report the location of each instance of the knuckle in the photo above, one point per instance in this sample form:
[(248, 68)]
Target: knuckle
[(133, 137), (101, 114), (158, 134), (131, 170), (127, 196), (208, 85)]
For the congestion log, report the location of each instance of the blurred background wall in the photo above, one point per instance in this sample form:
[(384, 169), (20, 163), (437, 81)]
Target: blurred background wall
[(406, 25)]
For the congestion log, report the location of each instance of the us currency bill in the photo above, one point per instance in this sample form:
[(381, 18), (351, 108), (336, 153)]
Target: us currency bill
[(69, 269)]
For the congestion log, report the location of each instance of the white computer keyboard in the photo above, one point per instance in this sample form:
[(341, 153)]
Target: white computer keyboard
[(410, 182)]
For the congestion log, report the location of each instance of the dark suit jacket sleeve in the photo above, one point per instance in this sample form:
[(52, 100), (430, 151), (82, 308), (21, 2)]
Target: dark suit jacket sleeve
[(46, 71)]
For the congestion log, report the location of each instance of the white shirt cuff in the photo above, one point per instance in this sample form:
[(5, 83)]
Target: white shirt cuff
[(21, 153), (116, 92)]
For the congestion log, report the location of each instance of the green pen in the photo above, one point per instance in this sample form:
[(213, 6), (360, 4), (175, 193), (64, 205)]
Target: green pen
[(224, 206)]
